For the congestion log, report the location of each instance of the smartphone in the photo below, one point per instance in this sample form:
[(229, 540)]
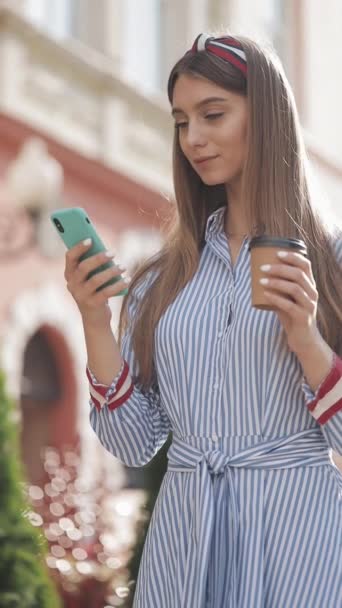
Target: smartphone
[(74, 225)]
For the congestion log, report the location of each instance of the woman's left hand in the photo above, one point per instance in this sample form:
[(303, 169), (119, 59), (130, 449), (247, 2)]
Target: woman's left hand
[(291, 290)]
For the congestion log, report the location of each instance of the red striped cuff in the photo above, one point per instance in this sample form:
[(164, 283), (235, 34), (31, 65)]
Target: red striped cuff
[(328, 398), (123, 389)]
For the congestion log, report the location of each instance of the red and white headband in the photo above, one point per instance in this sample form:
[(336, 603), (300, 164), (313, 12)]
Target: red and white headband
[(228, 48)]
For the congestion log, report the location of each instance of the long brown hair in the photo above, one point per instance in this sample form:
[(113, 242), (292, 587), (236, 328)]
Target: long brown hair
[(276, 190)]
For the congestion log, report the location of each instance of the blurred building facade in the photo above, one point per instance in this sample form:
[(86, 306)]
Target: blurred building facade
[(88, 78), (65, 110)]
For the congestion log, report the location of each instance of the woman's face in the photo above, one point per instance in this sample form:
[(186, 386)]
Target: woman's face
[(212, 127)]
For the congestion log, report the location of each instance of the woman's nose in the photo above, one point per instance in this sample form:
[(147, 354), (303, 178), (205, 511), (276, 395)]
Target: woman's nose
[(195, 136)]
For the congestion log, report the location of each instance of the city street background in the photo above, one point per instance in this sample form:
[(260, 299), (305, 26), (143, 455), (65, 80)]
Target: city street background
[(85, 121)]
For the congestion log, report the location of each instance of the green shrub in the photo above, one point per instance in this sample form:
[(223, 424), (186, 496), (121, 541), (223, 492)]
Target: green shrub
[(24, 580)]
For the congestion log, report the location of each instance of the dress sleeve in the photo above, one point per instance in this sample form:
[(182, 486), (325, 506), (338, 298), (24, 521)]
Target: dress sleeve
[(134, 426), (325, 404)]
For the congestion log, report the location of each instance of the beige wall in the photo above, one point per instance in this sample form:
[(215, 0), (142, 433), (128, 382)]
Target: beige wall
[(323, 58)]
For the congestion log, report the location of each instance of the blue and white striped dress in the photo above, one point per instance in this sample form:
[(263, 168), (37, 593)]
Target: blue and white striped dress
[(249, 511)]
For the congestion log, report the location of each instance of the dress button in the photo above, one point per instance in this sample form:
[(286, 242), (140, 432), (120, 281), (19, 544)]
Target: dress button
[(220, 334), (216, 386), (214, 437)]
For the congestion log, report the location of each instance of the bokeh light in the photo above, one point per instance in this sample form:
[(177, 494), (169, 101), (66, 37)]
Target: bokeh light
[(90, 528)]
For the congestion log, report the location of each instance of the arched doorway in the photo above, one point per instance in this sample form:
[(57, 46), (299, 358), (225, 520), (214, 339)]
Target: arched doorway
[(47, 400)]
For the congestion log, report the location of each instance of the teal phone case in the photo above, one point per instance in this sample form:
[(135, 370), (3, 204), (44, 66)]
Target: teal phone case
[(74, 225)]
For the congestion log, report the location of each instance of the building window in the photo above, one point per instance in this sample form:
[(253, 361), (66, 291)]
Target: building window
[(57, 17), (143, 43), (273, 19)]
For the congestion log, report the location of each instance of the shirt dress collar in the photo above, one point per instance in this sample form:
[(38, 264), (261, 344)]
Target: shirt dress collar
[(215, 223)]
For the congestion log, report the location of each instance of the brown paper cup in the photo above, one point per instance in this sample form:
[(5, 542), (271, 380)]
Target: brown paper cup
[(264, 251)]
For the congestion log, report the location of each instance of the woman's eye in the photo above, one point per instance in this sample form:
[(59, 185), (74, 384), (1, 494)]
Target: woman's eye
[(213, 116)]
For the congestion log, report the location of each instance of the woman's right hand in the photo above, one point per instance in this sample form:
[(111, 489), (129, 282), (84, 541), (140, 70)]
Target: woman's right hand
[(93, 305)]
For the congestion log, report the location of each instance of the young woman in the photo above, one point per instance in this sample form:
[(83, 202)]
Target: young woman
[(249, 511)]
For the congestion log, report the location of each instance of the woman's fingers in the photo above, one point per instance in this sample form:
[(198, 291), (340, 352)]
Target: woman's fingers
[(291, 291), (108, 292), (284, 304), (85, 289), (95, 261), (294, 273), (297, 260), (100, 278), (88, 297), (72, 257)]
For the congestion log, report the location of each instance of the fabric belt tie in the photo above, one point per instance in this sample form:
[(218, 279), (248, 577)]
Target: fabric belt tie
[(306, 448)]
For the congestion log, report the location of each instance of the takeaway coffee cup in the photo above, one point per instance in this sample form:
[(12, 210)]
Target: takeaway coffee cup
[(264, 250)]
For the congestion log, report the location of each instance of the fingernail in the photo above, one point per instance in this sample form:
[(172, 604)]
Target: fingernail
[(86, 242), (282, 254), (264, 281), (127, 280), (265, 267), (109, 254)]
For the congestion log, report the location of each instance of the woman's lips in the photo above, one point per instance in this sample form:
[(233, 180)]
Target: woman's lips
[(204, 160)]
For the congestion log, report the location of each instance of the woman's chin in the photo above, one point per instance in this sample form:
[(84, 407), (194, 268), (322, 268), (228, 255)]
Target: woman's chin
[(214, 178), (211, 180), (217, 179)]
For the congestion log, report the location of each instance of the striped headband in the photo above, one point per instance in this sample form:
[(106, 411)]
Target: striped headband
[(227, 48)]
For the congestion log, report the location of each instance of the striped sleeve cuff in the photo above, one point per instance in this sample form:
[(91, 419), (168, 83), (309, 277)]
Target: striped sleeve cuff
[(114, 395), (328, 397)]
